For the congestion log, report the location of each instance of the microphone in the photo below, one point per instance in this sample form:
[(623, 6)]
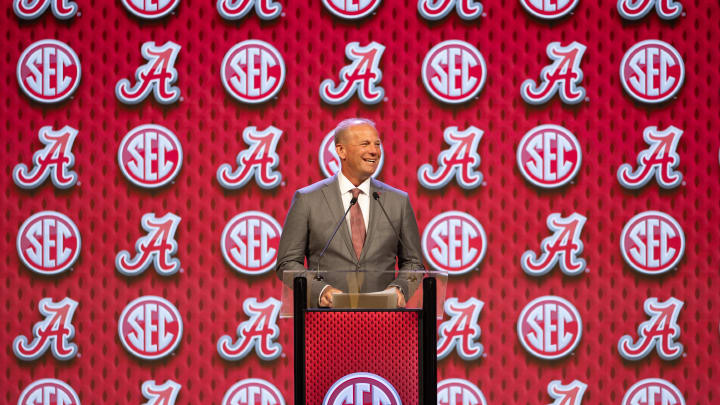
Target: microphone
[(376, 196), (353, 201)]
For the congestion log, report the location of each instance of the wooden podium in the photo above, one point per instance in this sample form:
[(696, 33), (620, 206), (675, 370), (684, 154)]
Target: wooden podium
[(398, 345)]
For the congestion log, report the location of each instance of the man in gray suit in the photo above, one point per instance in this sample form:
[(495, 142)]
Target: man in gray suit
[(365, 241)]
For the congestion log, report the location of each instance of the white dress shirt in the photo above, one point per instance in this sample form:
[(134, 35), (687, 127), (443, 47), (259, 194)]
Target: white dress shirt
[(363, 198)]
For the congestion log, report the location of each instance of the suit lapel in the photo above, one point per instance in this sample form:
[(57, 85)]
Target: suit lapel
[(331, 191), (374, 212)]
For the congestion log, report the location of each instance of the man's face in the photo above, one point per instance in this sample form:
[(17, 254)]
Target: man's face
[(359, 152)]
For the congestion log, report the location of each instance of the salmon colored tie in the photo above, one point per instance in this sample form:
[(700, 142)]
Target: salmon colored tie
[(357, 224)]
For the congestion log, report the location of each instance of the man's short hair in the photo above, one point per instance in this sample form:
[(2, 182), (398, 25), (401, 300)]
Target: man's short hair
[(342, 127)]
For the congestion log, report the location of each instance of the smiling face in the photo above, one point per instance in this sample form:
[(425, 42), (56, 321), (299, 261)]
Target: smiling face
[(359, 152)]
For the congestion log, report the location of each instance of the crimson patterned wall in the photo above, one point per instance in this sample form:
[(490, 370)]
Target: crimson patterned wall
[(562, 158)]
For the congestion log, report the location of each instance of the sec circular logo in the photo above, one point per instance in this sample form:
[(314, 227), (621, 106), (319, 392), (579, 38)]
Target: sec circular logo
[(150, 9), (549, 156), (652, 242), (48, 71), (150, 156), (549, 327), (48, 243), (150, 327), (351, 10), (330, 161), (454, 71), (652, 71), (253, 71), (549, 10), (253, 391), (456, 391), (362, 388), (249, 242), (454, 242), (48, 391), (653, 391)]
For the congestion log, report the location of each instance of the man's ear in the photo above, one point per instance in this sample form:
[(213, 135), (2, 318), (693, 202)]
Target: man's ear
[(340, 150)]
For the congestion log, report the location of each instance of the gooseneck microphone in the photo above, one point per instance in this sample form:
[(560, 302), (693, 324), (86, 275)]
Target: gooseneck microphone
[(353, 201), (376, 196)]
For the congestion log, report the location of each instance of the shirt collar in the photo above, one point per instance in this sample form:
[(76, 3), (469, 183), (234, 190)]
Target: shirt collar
[(346, 185)]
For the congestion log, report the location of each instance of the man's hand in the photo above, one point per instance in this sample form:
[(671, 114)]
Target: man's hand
[(400, 297), (326, 297)]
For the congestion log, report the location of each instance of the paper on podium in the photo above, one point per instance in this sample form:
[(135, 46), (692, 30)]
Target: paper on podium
[(386, 299)]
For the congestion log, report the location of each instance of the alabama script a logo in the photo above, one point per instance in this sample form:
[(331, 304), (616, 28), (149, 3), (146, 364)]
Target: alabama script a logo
[(259, 160), (562, 77), (362, 76), (258, 332), (54, 332), (562, 247), (158, 76), (54, 160), (460, 160), (160, 394), (158, 247), (32, 9), (637, 9), (566, 394), (461, 331), (438, 9), (659, 332), (660, 160), (237, 9)]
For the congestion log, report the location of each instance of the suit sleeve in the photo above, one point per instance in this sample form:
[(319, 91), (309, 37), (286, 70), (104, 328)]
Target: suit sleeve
[(293, 247), (409, 252)]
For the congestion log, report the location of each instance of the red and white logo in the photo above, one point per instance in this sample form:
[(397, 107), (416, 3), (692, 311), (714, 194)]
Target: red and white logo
[(157, 247), (150, 9), (150, 156), (562, 77), (360, 389), (258, 332), (362, 76), (660, 159), (54, 160), (157, 76), (454, 71), (652, 71), (54, 332), (249, 242), (562, 247), (330, 161), (566, 394), (549, 156), (454, 242), (435, 10), (652, 242), (653, 391), (253, 391), (549, 327), (637, 9), (48, 71), (659, 332), (48, 391), (549, 9), (48, 243), (461, 332), (253, 71), (351, 9), (237, 9), (160, 394), (460, 161), (150, 327), (456, 391), (32, 9), (259, 160)]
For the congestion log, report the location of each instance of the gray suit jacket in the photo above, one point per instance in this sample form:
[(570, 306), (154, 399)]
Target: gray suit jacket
[(316, 210)]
